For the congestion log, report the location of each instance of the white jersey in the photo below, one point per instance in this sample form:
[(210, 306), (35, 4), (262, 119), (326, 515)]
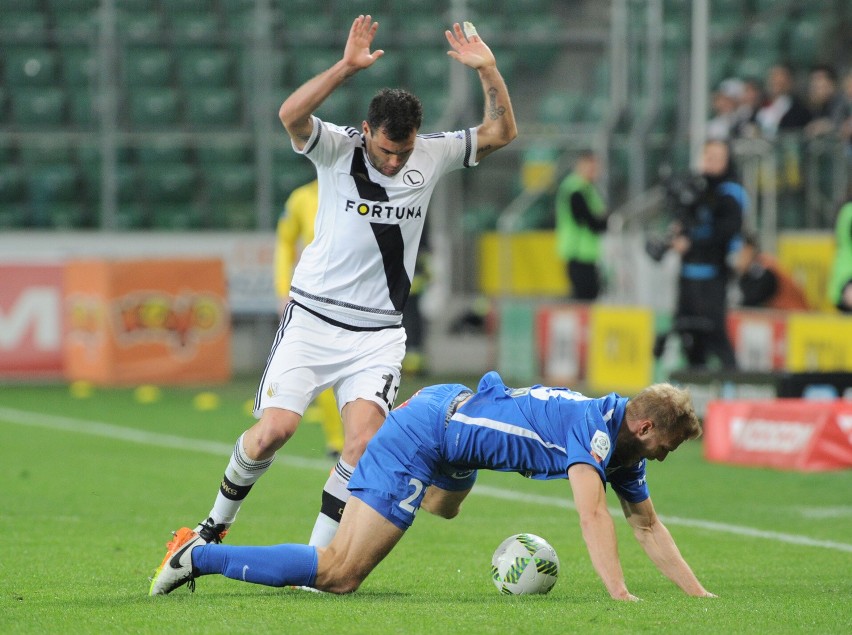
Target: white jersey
[(358, 269)]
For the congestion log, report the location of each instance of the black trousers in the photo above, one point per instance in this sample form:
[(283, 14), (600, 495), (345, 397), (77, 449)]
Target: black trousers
[(585, 280), (700, 321)]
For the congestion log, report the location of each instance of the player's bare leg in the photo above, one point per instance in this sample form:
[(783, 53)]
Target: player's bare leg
[(253, 455), (443, 503), (361, 420), (364, 538)]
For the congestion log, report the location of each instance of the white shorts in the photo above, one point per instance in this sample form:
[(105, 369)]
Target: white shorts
[(310, 354)]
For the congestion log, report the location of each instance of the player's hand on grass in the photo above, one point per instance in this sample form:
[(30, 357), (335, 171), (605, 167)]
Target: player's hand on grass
[(357, 52), (470, 51)]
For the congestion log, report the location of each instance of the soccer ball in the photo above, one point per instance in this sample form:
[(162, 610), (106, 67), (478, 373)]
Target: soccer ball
[(524, 564)]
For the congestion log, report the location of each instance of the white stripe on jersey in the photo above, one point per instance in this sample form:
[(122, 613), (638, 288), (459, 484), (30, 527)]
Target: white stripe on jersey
[(507, 428)]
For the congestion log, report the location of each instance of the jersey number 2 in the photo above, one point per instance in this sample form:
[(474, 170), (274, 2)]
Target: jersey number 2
[(406, 504)]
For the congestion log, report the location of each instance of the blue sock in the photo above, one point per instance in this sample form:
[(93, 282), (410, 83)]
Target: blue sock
[(276, 565)]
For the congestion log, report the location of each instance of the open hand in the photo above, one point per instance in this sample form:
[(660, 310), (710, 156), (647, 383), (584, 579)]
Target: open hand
[(357, 52), (470, 51)]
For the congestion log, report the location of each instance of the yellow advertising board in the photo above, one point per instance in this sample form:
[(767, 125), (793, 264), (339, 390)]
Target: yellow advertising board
[(808, 259), (819, 343), (521, 264), (620, 348)]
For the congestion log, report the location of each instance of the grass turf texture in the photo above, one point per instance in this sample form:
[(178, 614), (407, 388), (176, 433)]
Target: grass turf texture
[(86, 518)]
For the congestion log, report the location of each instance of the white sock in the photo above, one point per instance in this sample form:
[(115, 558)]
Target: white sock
[(334, 497), (240, 475)]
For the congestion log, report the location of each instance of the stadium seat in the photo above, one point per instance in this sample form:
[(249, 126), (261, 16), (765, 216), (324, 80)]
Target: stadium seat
[(45, 149), (79, 66), (38, 106), (224, 150), (154, 106), (147, 66), (169, 182), (311, 62), (4, 106), (163, 149), (176, 217), (560, 107), (290, 173), (12, 184), (24, 27), (131, 216), (67, 215), (235, 182), (29, 66), (84, 107), (804, 42), (212, 107), (76, 27), (127, 182), (48, 183), (337, 108), (308, 27), (205, 67), (194, 28), (14, 216), (144, 27), (431, 67)]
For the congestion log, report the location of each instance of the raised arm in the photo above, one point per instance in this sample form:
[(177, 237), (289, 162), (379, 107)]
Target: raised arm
[(598, 528), (295, 113), (661, 548), (498, 126)]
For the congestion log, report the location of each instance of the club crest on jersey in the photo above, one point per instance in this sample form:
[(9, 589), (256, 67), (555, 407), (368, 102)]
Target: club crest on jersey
[(413, 178), (384, 212), (600, 446)]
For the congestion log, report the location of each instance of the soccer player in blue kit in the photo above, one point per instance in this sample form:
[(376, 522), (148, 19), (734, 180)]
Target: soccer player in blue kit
[(427, 455)]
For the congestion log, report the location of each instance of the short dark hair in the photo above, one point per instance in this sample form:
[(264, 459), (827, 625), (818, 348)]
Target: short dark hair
[(396, 111)]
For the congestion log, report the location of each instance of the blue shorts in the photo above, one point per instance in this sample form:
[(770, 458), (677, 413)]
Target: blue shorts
[(404, 457)]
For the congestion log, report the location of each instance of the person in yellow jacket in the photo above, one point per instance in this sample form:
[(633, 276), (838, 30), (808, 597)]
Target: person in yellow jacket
[(294, 231)]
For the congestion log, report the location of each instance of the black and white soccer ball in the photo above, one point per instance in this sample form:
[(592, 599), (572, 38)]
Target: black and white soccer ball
[(524, 564)]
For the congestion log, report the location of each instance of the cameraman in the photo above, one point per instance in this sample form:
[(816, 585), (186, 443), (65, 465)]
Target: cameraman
[(703, 236)]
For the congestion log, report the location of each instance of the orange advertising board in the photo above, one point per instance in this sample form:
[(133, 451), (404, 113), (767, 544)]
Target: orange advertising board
[(146, 321)]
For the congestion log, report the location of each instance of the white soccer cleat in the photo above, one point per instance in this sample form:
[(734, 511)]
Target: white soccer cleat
[(176, 568)]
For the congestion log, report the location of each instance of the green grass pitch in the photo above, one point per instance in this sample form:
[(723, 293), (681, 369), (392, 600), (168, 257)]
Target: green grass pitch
[(92, 487)]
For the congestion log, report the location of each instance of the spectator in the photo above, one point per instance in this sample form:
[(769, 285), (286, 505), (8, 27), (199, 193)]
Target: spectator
[(826, 102), (752, 101), (726, 105), (762, 281), (580, 220), (785, 111), (840, 285)]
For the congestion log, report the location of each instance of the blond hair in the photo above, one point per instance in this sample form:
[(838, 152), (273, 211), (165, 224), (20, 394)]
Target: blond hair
[(669, 407)]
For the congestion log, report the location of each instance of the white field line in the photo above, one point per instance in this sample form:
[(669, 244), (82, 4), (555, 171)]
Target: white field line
[(134, 435)]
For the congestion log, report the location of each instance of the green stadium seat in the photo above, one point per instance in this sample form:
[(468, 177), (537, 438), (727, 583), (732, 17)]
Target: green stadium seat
[(194, 28), (4, 108), (291, 170), (308, 27), (79, 66), (385, 73), (431, 67), (422, 27), (224, 150), (66, 6), (46, 149), (337, 108), (84, 108), (23, 26), (12, 184), (59, 182), (14, 216), (163, 149), (143, 27), (804, 43), (168, 182), (68, 215), (235, 216), (38, 106), (311, 62), (29, 66), (230, 183), (177, 217), (154, 106), (131, 216), (212, 107), (147, 66), (204, 67), (127, 182), (76, 27), (560, 108)]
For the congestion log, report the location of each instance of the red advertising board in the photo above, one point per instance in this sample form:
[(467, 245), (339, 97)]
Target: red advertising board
[(789, 434), (30, 320)]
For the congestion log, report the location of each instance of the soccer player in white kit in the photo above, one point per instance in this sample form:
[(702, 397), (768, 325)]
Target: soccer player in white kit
[(342, 327)]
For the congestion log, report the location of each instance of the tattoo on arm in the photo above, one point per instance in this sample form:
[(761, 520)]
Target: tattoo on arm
[(494, 111)]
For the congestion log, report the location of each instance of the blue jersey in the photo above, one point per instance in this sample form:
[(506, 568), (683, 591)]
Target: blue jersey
[(540, 432)]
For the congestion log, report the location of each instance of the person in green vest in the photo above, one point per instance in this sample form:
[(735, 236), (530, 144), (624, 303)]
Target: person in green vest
[(840, 285), (581, 218)]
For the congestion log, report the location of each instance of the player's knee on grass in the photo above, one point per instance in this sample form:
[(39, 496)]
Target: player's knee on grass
[(337, 575)]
